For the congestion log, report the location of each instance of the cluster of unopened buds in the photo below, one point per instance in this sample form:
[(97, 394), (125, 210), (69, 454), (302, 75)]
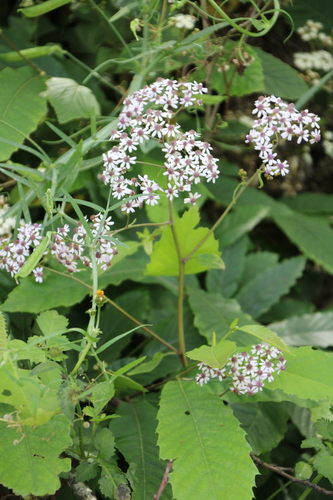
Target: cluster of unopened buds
[(69, 250), (276, 121), (149, 114), (248, 371)]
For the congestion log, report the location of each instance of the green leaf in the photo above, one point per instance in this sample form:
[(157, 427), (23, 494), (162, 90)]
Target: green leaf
[(215, 356), (257, 263), (71, 100), (303, 470), (308, 374), (323, 462), (225, 281), (150, 365), (214, 313), (263, 333), (135, 434), (313, 237), (51, 322), (259, 294), (32, 466), (104, 442), (112, 482), (279, 78), (164, 258), (42, 8), (240, 222), (264, 423), (101, 394), (21, 106), (34, 402), (3, 335), (205, 437), (310, 203), (309, 329), (250, 79), (324, 427), (86, 471)]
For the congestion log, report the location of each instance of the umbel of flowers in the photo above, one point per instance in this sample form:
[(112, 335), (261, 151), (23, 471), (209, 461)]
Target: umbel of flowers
[(71, 248), (279, 121), (150, 114), (248, 371)]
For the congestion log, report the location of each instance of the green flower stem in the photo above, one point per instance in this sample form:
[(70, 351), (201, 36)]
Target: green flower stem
[(308, 490), (271, 22), (111, 25), (153, 334), (237, 194), (181, 275), (283, 487), (82, 357)]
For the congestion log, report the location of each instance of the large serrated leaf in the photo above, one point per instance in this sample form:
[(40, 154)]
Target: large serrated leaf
[(225, 281), (264, 290), (136, 439), (32, 466), (21, 106), (205, 441), (279, 78), (263, 333), (313, 237), (309, 329), (265, 424), (215, 313), (71, 100), (51, 322), (240, 222), (308, 374), (164, 259)]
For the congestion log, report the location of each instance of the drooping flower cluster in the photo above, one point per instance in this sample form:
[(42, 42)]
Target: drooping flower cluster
[(69, 250), (150, 114), (278, 120), (248, 371)]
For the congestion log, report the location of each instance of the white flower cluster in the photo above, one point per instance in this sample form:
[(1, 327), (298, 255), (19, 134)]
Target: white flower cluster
[(248, 371), (13, 254), (312, 31), (7, 224), (68, 250), (319, 60), (188, 160), (278, 120), (185, 21)]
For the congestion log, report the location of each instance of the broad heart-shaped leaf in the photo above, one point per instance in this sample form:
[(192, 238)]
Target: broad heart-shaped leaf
[(313, 237), (59, 290), (21, 106), (308, 375), (279, 78), (207, 445), (32, 466), (250, 79), (135, 434), (309, 329), (215, 356), (51, 322), (265, 424), (264, 290), (263, 333), (71, 100), (214, 313), (164, 259), (35, 403)]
